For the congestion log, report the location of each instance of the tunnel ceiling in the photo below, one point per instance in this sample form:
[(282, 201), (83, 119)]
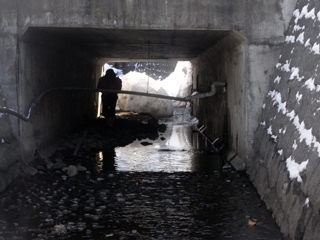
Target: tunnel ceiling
[(130, 44)]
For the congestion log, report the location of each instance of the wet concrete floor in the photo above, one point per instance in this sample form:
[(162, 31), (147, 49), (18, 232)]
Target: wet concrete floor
[(137, 180)]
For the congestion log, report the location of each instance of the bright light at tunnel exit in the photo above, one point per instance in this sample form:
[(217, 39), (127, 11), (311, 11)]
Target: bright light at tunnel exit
[(172, 84)]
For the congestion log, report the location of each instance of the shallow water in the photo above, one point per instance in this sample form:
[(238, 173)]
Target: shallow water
[(150, 189), (173, 152)]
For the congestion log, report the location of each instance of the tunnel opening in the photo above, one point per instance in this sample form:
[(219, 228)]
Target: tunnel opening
[(57, 57), (69, 57), (166, 78)]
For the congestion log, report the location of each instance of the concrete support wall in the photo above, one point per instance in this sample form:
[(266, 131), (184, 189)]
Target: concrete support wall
[(233, 113), (221, 63), (49, 64), (9, 144), (285, 165)]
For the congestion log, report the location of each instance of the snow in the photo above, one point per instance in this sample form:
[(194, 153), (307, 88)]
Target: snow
[(269, 131), (305, 134), (295, 168), (296, 14), (307, 44), (290, 39), (277, 79), (286, 67), (310, 14), (178, 84), (310, 84), (295, 74), (139, 82), (298, 28), (280, 152), (306, 203), (291, 115), (271, 93), (298, 97), (300, 38), (276, 98), (315, 48), (296, 122), (284, 130), (304, 11)]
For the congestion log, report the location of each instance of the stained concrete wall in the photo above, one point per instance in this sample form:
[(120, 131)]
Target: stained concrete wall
[(285, 165), (47, 65)]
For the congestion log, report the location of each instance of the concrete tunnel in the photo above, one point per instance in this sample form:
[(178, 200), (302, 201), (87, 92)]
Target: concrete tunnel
[(73, 57), (249, 45)]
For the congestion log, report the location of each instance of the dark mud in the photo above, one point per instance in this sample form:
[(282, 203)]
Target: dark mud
[(93, 201)]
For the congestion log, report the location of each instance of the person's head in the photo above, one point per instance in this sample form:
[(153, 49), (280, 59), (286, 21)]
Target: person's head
[(110, 73)]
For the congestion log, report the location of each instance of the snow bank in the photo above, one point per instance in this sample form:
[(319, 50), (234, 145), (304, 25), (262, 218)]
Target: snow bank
[(139, 82), (179, 83)]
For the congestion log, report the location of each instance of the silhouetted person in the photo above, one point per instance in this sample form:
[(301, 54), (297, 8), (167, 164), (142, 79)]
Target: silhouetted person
[(112, 82)]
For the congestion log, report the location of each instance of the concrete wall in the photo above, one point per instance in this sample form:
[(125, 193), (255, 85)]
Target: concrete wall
[(285, 165), (222, 113), (9, 144), (49, 64)]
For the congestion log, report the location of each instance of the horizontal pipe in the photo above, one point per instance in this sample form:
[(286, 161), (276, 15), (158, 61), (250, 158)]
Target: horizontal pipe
[(38, 98)]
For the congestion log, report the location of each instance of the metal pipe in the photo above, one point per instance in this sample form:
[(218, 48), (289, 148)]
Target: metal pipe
[(207, 94), (26, 117)]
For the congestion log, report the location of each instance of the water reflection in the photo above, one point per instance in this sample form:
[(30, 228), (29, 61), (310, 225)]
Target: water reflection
[(174, 151), (105, 160)]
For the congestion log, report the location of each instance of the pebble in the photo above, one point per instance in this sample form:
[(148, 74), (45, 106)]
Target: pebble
[(72, 171), (60, 229)]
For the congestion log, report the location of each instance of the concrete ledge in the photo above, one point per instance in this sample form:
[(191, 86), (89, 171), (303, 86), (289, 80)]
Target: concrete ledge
[(236, 161)]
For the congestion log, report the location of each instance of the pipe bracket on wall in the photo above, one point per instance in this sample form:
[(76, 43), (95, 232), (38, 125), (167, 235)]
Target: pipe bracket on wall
[(207, 94)]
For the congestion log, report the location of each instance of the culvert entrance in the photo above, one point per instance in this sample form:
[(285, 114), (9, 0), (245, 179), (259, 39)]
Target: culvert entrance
[(74, 202), (72, 57)]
